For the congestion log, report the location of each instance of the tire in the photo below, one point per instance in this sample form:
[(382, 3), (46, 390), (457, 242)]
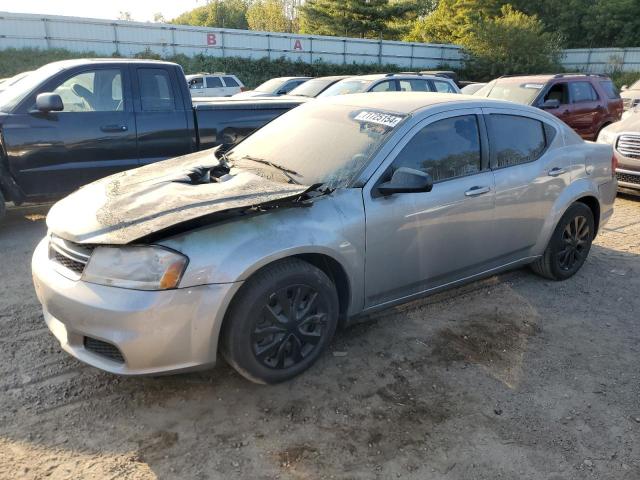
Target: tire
[(264, 338), (569, 245), (3, 207)]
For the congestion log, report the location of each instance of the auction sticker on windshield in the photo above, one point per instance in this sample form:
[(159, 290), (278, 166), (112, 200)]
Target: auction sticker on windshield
[(379, 118), (537, 86)]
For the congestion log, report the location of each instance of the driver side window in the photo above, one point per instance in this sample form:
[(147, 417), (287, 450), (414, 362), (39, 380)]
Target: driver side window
[(444, 149), (94, 91), (560, 92)]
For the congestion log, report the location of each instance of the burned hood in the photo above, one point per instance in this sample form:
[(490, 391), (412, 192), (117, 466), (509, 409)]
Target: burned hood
[(163, 196)]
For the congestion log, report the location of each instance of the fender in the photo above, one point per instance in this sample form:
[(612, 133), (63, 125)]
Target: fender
[(576, 190)]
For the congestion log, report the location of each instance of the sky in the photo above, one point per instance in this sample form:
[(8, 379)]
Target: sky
[(141, 10)]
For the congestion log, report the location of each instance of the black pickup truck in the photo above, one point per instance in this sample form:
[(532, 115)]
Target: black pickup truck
[(72, 122)]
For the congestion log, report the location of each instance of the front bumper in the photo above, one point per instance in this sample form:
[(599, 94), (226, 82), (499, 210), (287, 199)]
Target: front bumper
[(628, 180), (155, 332)]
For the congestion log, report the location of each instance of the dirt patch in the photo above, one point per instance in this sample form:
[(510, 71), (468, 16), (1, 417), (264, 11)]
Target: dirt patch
[(486, 338), (293, 455)]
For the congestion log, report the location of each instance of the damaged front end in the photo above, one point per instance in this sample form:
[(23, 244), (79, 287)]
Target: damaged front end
[(158, 200)]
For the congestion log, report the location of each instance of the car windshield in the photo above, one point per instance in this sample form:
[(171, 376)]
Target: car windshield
[(323, 144), (513, 90), (345, 87), (13, 95), (270, 86), (311, 88)]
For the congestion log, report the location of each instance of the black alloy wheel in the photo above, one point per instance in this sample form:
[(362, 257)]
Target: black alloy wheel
[(576, 240), (290, 327), (280, 321)]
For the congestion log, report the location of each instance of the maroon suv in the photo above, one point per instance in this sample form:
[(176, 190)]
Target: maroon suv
[(585, 102)]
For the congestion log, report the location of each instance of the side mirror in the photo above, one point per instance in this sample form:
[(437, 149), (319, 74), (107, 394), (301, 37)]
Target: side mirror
[(406, 180), (624, 87), (282, 91), (49, 102), (550, 104)]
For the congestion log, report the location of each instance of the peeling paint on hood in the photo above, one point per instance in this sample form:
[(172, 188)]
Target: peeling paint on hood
[(139, 203)]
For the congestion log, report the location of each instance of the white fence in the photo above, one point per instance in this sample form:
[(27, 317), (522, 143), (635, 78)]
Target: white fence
[(106, 37), (602, 60)]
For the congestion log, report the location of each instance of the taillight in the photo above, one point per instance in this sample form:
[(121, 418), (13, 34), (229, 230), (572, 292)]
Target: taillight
[(614, 165)]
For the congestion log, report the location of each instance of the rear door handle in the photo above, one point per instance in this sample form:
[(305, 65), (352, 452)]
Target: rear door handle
[(475, 191), (114, 128), (556, 171)]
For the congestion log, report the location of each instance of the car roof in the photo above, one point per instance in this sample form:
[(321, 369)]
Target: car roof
[(409, 102), (290, 78), (396, 76), (84, 61), (548, 77)]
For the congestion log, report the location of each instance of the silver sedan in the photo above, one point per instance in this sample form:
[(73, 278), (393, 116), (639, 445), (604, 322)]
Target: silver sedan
[(336, 209)]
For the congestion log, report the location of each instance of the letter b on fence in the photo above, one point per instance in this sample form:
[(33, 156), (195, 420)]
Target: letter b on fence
[(211, 39)]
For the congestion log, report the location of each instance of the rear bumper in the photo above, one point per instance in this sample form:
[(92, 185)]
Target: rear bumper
[(155, 332), (607, 192)]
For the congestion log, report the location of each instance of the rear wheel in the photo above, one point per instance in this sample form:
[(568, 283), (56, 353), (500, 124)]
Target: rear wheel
[(569, 245), (280, 322)]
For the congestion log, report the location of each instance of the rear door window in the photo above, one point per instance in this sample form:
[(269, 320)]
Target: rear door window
[(214, 82), (443, 87), (610, 89), (156, 93), (515, 139), (413, 85), (582, 92), (230, 82)]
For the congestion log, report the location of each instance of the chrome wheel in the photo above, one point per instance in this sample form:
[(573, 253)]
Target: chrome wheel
[(290, 327), (575, 243)]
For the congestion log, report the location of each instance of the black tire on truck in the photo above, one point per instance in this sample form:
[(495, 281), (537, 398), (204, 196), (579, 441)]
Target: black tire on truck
[(3, 206), (280, 321)]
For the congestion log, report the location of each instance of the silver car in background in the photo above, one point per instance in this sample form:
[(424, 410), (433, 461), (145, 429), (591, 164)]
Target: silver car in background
[(338, 208)]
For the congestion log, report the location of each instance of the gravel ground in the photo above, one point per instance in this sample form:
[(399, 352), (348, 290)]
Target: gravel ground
[(513, 377)]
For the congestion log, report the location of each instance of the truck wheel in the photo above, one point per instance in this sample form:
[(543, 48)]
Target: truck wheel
[(569, 245), (280, 321)]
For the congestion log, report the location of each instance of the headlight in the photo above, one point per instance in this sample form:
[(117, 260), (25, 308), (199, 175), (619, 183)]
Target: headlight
[(606, 136), (140, 268)]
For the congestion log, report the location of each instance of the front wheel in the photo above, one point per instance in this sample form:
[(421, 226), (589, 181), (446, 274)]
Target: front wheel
[(280, 322), (3, 207), (569, 245)]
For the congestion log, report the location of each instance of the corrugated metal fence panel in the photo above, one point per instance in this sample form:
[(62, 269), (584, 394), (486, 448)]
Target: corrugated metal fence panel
[(106, 37), (602, 60)]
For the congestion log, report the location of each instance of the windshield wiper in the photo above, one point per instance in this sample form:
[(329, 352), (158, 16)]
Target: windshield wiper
[(286, 171)]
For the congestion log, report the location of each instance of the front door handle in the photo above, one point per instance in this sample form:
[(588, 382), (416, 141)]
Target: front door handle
[(475, 191), (556, 171), (114, 128)]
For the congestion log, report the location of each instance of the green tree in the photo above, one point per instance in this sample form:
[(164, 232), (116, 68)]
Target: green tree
[(355, 18), (511, 42), (217, 13), (497, 38), (270, 16), (613, 23)]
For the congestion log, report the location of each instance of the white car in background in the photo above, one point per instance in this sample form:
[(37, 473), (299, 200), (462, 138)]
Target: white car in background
[(214, 85), (274, 87)]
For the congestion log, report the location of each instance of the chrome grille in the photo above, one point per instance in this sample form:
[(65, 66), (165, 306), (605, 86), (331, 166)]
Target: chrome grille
[(103, 349), (629, 145), (71, 256), (628, 178)]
